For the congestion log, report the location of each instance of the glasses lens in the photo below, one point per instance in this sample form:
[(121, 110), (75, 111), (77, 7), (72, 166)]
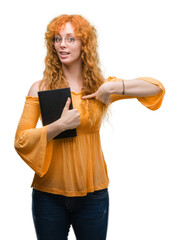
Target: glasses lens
[(58, 39), (70, 40)]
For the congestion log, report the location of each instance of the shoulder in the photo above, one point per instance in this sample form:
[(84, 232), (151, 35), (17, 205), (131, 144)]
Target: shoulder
[(34, 89)]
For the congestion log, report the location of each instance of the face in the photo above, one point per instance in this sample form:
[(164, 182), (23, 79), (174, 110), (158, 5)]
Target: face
[(68, 53)]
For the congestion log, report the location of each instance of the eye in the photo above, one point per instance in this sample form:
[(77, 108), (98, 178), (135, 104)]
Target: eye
[(71, 39), (58, 38)]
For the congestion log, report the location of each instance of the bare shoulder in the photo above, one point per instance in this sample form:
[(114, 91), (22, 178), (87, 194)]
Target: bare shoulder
[(34, 89)]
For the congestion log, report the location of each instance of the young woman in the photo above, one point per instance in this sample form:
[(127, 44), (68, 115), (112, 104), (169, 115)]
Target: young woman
[(70, 185)]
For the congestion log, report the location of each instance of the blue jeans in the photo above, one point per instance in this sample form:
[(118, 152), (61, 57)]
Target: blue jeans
[(53, 215)]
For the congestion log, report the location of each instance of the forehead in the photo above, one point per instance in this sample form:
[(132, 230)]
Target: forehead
[(67, 29)]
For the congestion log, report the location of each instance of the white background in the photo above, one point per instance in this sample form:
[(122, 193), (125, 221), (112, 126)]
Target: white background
[(136, 38)]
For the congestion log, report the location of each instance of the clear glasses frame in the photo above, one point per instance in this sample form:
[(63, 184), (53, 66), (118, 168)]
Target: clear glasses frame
[(69, 40)]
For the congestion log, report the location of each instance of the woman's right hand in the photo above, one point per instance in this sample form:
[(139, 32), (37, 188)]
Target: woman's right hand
[(69, 118)]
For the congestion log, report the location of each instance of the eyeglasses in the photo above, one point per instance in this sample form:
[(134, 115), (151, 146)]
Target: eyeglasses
[(69, 40)]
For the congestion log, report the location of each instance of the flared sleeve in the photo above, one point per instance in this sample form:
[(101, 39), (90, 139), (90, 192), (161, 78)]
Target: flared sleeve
[(31, 142), (151, 102)]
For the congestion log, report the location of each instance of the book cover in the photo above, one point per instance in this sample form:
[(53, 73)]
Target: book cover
[(52, 103)]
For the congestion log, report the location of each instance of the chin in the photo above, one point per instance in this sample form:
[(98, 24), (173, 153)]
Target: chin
[(68, 62)]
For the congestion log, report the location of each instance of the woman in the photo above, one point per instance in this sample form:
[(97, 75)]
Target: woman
[(70, 184)]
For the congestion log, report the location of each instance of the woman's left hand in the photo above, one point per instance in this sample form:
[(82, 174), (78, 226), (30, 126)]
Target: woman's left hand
[(102, 94)]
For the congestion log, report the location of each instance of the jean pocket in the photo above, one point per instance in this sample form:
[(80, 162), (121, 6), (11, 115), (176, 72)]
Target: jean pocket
[(98, 194)]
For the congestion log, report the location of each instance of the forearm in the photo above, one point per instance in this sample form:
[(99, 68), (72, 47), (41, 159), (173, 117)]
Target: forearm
[(134, 87), (54, 129)]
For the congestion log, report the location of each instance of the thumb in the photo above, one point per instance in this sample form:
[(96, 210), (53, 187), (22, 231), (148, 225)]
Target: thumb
[(67, 103)]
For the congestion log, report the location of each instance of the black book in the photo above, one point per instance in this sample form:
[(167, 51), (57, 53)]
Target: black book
[(52, 103)]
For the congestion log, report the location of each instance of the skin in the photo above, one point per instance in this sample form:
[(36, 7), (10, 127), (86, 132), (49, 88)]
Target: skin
[(72, 68), (134, 87), (71, 64)]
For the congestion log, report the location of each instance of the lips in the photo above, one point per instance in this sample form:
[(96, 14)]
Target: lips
[(64, 53)]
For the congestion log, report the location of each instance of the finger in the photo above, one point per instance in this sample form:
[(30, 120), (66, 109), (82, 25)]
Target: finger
[(68, 103), (89, 96)]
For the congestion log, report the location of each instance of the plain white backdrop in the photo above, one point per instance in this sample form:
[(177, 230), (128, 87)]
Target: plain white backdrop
[(136, 38)]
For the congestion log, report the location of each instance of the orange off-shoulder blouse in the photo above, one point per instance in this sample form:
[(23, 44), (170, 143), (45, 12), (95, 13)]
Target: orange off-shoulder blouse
[(69, 166)]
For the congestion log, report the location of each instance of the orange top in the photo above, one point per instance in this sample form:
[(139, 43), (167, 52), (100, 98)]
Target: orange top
[(69, 166)]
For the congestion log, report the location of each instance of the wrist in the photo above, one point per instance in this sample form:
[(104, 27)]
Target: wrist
[(117, 87), (61, 124), (53, 129), (110, 87)]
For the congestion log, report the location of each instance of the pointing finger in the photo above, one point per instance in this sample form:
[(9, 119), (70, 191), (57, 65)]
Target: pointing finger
[(89, 96)]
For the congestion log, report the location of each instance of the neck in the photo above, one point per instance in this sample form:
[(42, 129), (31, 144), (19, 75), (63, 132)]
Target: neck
[(73, 73)]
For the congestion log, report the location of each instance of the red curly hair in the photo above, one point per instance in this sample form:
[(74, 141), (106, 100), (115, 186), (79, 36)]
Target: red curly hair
[(53, 76)]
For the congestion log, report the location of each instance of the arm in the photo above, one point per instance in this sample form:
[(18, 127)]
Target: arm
[(31, 142), (69, 118), (54, 128), (150, 99), (135, 88), (148, 91)]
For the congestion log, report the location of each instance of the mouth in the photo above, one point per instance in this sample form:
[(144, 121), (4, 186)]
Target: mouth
[(64, 53)]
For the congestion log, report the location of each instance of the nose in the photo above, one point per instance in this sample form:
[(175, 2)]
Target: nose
[(63, 42)]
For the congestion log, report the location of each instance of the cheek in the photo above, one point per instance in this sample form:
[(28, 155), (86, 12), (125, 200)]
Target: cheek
[(56, 48), (77, 50)]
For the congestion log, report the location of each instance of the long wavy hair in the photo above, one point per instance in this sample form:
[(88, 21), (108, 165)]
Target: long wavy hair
[(53, 76)]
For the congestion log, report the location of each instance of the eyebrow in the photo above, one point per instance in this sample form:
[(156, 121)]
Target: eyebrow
[(67, 34)]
